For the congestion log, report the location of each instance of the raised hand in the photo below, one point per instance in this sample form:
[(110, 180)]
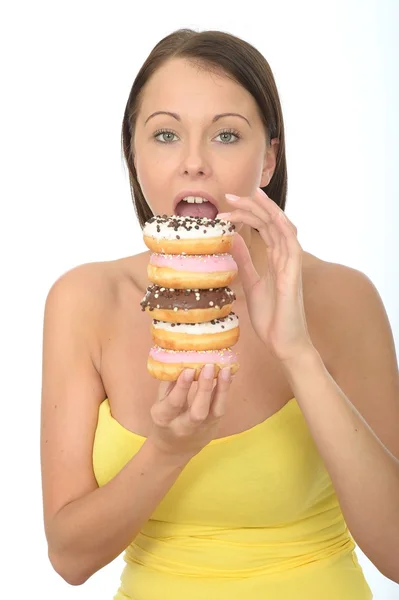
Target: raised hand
[(274, 297)]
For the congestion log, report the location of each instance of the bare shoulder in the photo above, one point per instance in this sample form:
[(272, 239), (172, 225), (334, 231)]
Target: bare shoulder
[(328, 278), (97, 290), (326, 289), (338, 285), (349, 308), (333, 290), (351, 301), (86, 282)]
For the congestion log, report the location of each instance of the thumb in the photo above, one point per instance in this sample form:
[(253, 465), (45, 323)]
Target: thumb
[(246, 270)]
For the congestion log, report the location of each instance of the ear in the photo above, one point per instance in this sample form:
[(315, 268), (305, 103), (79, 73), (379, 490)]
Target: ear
[(269, 164)]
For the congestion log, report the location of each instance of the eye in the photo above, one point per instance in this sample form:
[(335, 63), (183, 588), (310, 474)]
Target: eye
[(229, 133), (162, 132)]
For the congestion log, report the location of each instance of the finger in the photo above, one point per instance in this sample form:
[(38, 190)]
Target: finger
[(254, 207), (274, 210), (165, 387), (277, 253), (294, 250), (282, 231), (268, 204), (221, 393), (286, 226), (170, 406), (240, 253), (199, 409), (249, 218)]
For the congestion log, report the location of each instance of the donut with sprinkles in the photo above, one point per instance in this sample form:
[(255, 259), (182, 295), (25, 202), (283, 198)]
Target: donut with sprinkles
[(188, 235)]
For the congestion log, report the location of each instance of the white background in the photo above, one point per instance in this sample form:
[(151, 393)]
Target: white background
[(67, 69)]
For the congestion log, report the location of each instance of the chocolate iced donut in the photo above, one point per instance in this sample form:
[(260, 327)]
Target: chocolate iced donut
[(168, 364), (188, 305), (188, 235), (210, 335), (199, 271)]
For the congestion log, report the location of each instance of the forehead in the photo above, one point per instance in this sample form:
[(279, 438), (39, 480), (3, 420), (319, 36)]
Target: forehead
[(179, 83)]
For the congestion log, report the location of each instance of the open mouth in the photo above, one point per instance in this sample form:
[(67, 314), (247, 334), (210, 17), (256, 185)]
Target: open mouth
[(195, 206)]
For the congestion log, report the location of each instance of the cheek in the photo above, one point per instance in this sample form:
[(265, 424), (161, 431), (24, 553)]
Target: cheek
[(246, 172), (253, 164), (153, 179), (146, 167)]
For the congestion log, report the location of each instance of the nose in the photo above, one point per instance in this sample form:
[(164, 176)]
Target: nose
[(194, 163)]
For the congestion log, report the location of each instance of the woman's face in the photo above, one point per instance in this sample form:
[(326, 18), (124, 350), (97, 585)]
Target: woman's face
[(195, 152)]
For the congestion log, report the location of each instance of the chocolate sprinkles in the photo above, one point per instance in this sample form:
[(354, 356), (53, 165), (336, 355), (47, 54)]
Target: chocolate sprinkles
[(188, 223)]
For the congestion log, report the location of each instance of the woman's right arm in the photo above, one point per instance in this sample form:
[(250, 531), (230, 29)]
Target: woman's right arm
[(86, 526)]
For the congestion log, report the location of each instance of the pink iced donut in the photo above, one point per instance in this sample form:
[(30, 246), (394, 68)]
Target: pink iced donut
[(168, 364), (182, 271)]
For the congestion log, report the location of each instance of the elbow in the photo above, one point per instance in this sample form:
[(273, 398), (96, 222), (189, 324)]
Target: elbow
[(69, 574), (386, 562), (391, 573)]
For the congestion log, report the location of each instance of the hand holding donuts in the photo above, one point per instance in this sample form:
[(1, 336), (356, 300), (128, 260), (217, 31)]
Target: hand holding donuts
[(182, 430), (274, 298)]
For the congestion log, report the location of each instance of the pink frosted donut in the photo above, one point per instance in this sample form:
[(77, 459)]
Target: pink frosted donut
[(182, 271), (168, 364)]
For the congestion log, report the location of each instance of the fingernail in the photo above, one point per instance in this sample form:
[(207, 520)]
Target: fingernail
[(232, 197), (209, 371), (223, 215), (188, 374), (225, 373)]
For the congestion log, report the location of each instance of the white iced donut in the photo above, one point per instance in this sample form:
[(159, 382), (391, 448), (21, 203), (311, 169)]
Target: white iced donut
[(188, 235), (211, 335)]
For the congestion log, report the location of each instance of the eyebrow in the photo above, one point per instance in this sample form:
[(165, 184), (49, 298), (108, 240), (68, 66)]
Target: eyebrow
[(178, 118)]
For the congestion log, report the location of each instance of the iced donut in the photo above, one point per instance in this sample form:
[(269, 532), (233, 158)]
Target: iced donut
[(168, 364), (188, 305), (211, 335), (200, 271), (188, 235)]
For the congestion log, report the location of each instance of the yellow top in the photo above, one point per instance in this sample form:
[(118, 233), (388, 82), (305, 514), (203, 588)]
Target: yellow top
[(253, 515)]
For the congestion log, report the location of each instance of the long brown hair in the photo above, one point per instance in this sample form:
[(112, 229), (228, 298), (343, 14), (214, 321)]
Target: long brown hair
[(220, 52)]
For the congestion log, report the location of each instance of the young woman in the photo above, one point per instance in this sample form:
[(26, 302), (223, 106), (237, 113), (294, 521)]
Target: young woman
[(256, 486)]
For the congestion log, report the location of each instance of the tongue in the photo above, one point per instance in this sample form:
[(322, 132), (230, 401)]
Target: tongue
[(188, 209)]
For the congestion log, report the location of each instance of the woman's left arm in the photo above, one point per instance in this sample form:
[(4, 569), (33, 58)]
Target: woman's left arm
[(356, 431)]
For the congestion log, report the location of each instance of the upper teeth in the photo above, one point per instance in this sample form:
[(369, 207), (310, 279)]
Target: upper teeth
[(194, 199)]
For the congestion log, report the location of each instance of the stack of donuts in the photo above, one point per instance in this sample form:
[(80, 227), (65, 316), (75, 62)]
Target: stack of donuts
[(190, 269)]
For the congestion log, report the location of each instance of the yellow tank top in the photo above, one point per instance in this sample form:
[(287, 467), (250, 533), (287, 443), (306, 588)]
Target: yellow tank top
[(253, 515)]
